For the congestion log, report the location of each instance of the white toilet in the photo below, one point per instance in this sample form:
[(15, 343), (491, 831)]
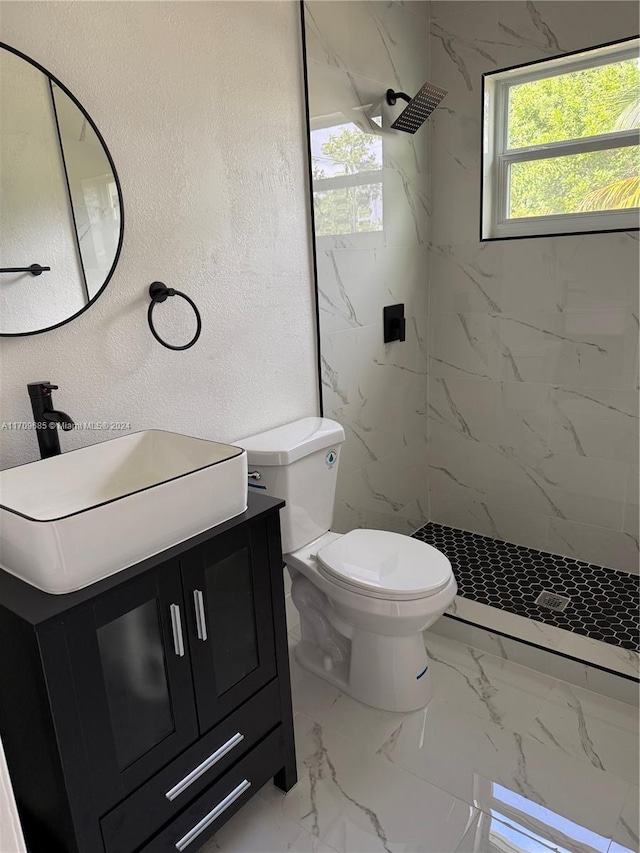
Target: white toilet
[(364, 597)]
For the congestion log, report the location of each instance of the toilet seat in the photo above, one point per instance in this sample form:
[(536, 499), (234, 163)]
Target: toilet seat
[(384, 565)]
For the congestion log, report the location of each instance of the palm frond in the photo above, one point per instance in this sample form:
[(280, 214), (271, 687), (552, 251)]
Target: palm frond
[(614, 196), (629, 118)]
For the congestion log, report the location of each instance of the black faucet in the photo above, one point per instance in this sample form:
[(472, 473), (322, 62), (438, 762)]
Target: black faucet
[(46, 418)]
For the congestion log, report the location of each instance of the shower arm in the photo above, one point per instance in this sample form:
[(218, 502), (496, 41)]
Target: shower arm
[(393, 96)]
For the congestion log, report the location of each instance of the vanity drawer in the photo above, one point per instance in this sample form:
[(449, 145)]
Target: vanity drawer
[(203, 818), (136, 819)]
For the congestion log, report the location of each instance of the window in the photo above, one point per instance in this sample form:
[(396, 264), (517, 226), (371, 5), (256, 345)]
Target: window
[(561, 149)]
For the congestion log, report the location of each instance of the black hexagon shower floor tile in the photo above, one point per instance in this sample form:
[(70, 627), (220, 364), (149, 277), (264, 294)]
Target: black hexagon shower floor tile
[(603, 603)]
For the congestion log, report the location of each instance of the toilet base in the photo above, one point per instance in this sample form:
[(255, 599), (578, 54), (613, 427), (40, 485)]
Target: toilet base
[(389, 673)]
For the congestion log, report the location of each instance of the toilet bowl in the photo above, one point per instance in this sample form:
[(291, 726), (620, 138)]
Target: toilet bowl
[(364, 597)]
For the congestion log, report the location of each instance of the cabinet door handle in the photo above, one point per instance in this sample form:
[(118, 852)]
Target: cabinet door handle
[(208, 819), (197, 772), (176, 628), (201, 620)]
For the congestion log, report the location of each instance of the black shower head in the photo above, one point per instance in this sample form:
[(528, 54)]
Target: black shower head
[(419, 109)]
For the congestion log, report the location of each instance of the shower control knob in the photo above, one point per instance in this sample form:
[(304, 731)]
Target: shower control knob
[(393, 323)]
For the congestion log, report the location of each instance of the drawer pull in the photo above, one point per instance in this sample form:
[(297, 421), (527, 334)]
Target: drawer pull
[(176, 628), (208, 819), (197, 772), (201, 619)]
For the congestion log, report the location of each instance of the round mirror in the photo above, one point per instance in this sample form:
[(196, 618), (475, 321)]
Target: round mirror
[(61, 217)]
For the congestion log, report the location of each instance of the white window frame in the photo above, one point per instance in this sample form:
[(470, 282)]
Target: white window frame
[(497, 158)]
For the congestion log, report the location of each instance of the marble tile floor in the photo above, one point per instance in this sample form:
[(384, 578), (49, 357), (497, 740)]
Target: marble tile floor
[(503, 760)]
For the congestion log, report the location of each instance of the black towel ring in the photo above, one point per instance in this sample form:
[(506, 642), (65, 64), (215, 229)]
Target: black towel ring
[(159, 293)]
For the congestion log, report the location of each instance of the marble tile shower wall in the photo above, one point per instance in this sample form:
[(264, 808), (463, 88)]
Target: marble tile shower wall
[(533, 344), (371, 193)]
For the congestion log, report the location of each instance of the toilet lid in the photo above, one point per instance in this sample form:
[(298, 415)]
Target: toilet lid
[(388, 565)]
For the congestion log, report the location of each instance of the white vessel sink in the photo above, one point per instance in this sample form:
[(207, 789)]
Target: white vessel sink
[(76, 518)]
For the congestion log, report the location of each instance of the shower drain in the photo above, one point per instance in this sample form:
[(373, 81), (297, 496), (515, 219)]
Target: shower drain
[(552, 601)]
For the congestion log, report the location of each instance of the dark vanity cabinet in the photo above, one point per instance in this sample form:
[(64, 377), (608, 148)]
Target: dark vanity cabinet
[(228, 586), (134, 693), (140, 713)]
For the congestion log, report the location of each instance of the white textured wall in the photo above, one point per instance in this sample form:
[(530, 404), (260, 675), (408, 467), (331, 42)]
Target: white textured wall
[(201, 105), (533, 392)]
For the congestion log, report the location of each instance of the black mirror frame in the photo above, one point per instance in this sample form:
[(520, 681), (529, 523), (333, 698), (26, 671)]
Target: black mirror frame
[(54, 79)]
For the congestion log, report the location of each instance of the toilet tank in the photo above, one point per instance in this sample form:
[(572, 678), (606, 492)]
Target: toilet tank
[(299, 463)]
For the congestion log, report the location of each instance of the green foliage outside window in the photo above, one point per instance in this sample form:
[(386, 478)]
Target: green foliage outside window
[(604, 99)]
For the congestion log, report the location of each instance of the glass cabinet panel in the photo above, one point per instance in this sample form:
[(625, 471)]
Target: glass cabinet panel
[(231, 615), (135, 677), (227, 585)]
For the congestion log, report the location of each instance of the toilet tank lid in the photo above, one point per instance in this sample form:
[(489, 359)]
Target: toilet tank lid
[(284, 444)]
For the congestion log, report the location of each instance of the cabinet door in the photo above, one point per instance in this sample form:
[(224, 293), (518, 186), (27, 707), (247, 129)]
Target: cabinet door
[(133, 681), (228, 602)]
